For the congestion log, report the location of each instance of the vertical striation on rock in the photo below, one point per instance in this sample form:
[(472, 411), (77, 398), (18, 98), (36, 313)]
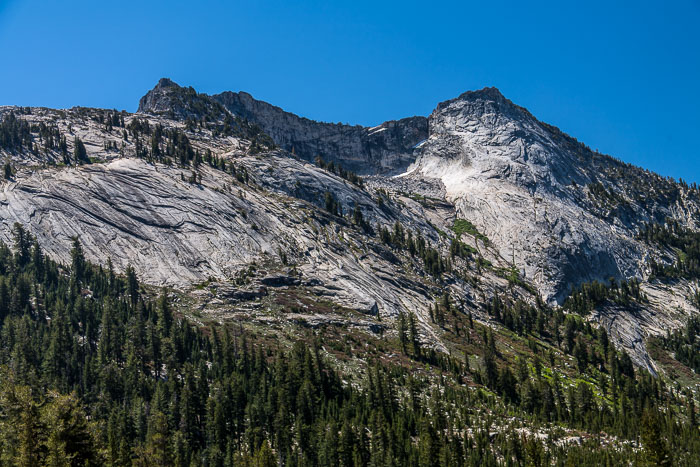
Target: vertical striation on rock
[(384, 149)]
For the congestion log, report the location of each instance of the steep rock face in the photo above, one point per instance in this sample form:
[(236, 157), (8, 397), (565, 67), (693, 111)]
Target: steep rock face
[(528, 187), (668, 306), (167, 97), (177, 233), (387, 148), (156, 99)]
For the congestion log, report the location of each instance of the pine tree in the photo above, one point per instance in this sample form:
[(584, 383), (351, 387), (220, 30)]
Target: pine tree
[(331, 204), (20, 425), (157, 451), (654, 444), (490, 368), (132, 284), (165, 314), (22, 240), (264, 457), (402, 330), (79, 152), (77, 261), (413, 336), (357, 218), (37, 261), (70, 440)]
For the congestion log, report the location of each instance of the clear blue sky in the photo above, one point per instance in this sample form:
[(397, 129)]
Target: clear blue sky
[(622, 78)]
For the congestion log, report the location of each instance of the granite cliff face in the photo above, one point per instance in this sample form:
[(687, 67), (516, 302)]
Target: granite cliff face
[(178, 234), (532, 191), (384, 149), (540, 203), (178, 231)]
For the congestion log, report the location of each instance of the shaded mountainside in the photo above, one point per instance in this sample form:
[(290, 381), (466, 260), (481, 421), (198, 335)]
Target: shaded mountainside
[(386, 148), (477, 255)]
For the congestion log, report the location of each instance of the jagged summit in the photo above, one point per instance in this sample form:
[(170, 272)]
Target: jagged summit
[(488, 92), (157, 99), (488, 101), (387, 148), (529, 186), (166, 83), (169, 98)]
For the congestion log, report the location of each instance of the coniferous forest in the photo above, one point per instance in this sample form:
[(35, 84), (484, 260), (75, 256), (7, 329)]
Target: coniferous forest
[(96, 369)]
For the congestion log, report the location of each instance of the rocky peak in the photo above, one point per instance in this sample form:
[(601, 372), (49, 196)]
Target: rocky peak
[(166, 83), (483, 130), (522, 183), (385, 149), (489, 94), (486, 107), (174, 101), (158, 99)]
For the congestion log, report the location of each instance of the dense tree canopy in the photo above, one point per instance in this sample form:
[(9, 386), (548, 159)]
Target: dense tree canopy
[(96, 369)]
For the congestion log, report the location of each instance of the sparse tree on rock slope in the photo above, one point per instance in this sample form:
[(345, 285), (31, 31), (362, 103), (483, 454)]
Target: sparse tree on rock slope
[(80, 156)]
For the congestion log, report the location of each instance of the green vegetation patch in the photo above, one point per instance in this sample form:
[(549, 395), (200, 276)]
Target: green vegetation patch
[(462, 226)]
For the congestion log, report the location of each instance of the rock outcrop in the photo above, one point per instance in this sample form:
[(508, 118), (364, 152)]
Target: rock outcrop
[(169, 98), (178, 233), (384, 149), (532, 191)]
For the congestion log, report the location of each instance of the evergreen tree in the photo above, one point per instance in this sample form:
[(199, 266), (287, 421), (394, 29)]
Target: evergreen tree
[(77, 262), (79, 152), (157, 451), (413, 336), (132, 285), (69, 437), (654, 444), (403, 332)]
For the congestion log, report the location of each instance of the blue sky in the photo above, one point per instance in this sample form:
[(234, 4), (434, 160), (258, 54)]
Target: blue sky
[(622, 78)]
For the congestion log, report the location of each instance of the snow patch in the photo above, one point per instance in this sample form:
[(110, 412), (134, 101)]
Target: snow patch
[(419, 144)]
